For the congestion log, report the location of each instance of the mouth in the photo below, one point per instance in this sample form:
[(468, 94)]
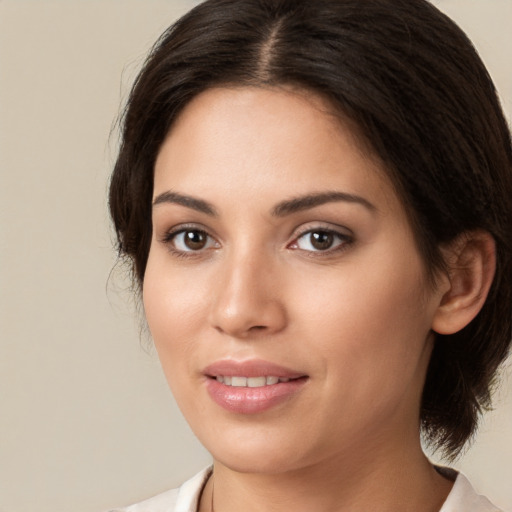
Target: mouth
[(251, 387), (236, 381)]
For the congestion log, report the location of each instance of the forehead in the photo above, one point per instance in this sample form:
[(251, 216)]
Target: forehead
[(266, 140)]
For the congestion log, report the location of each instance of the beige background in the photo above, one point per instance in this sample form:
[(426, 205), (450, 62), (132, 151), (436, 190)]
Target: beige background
[(86, 419)]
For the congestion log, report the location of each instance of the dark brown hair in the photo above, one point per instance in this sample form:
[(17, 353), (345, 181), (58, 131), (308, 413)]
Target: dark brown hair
[(413, 84)]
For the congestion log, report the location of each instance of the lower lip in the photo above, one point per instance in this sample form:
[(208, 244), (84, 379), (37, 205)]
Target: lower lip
[(245, 400)]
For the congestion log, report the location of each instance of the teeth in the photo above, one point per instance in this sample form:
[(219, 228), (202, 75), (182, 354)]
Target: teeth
[(239, 382), (251, 382), (256, 382)]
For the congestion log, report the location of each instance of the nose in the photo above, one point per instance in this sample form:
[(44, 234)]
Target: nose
[(247, 299)]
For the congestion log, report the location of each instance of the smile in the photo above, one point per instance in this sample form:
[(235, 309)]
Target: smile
[(250, 382), (253, 386)]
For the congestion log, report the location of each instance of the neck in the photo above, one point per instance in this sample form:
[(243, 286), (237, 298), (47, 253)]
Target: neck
[(395, 481)]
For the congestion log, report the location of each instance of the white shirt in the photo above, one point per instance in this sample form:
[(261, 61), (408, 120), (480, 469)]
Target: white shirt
[(462, 498)]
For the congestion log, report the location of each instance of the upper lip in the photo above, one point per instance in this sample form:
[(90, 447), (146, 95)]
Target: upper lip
[(250, 368)]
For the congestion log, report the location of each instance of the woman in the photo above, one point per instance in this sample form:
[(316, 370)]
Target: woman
[(315, 200)]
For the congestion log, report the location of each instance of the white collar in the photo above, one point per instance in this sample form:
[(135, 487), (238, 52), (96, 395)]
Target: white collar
[(462, 497)]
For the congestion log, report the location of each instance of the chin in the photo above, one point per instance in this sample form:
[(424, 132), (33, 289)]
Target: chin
[(258, 452), (254, 463)]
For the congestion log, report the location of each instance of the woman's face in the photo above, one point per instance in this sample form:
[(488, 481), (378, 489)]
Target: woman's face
[(284, 290)]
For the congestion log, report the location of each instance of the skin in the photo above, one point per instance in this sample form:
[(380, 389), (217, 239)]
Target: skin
[(355, 318)]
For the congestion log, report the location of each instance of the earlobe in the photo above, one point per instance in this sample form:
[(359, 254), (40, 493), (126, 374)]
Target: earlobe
[(471, 261)]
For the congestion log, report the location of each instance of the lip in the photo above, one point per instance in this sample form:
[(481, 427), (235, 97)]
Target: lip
[(245, 400), (250, 368)]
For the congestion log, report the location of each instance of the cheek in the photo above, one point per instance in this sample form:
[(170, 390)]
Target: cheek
[(174, 304), (370, 319)]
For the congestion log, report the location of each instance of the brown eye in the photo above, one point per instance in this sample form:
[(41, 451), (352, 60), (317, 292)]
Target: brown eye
[(195, 240), (321, 240), (191, 240)]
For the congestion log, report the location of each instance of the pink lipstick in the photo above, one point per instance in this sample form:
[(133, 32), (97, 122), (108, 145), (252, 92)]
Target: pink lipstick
[(251, 387)]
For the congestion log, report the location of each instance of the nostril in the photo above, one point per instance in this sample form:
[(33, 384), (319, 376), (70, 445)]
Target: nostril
[(241, 316)]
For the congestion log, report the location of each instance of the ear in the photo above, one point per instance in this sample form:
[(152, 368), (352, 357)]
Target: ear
[(471, 261)]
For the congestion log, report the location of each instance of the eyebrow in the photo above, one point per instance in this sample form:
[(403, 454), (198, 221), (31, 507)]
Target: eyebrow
[(306, 202), (188, 201), (282, 209)]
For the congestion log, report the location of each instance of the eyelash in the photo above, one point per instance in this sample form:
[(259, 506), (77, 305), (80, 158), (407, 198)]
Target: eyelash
[(344, 241), (169, 240)]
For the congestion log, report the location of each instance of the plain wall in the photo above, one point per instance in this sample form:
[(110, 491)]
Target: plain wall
[(87, 421)]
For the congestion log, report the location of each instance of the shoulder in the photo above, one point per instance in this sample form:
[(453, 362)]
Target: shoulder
[(464, 497), (182, 499)]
